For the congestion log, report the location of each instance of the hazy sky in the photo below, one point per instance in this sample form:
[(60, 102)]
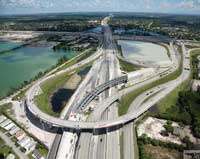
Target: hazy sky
[(46, 6)]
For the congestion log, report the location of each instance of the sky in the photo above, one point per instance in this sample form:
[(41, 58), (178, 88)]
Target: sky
[(52, 6)]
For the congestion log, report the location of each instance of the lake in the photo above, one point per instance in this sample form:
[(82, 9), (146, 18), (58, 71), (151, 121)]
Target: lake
[(25, 63), (5, 45), (144, 51)]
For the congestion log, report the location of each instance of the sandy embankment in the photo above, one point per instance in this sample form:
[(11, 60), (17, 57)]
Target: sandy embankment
[(18, 36)]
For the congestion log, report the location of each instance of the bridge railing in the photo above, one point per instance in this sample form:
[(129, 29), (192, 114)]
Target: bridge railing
[(95, 92)]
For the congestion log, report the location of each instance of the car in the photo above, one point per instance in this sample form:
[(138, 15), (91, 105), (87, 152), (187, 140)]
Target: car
[(187, 69)]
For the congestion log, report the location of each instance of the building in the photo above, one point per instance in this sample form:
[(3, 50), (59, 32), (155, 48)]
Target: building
[(36, 155), (9, 126), (20, 134), (14, 130), (10, 156), (5, 123)]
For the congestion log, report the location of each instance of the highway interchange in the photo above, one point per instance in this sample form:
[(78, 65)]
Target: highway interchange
[(92, 145), (97, 136)]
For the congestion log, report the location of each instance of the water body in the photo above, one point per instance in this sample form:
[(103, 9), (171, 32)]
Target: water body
[(96, 30), (83, 72), (25, 63), (6, 45), (59, 99), (62, 95), (144, 51)]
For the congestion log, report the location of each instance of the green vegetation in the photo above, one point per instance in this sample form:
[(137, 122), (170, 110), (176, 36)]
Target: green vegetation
[(194, 64), (176, 26), (144, 140), (128, 67), (171, 98), (181, 104), (192, 46), (5, 150), (48, 88), (42, 150), (48, 22), (77, 44), (20, 96), (4, 108), (143, 154), (186, 110), (78, 58), (61, 61), (168, 127), (158, 152), (128, 98)]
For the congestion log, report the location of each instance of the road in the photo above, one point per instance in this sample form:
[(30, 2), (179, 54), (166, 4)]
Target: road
[(128, 142), (11, 144), (103, 124), (105, 114), (108, 114)]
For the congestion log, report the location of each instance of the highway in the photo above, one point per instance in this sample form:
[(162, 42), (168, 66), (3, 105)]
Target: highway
[(128, 142), (98, 124), (101, 91), (94, 146), (102, 81)]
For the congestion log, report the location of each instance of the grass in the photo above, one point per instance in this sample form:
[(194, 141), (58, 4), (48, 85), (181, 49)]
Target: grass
[(76, 59), (5, 150), (127, 66), (172, 98), (4, 108), (48, 88), (191, 46), (1, 142), (128, 98), (20, 96), (42, 150), (69, 63), (194, 63), (168, 54)]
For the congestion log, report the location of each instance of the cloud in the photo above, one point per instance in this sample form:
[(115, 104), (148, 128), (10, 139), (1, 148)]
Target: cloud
[(186, 6)]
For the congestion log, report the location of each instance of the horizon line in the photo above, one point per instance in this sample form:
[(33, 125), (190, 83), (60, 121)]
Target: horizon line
[(106, 12)]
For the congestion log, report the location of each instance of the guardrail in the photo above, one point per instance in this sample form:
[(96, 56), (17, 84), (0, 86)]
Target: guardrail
[(95, 92)]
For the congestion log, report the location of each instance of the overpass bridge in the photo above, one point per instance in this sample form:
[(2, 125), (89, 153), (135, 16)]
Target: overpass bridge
[(32, 108), (99, 89)]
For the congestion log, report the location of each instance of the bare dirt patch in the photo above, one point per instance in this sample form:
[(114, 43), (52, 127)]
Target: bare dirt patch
[(73, 82), (157, 152)]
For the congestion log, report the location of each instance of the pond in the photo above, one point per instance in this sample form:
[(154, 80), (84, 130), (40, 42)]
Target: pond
[(25, 63), (144, 51), (59, 99)]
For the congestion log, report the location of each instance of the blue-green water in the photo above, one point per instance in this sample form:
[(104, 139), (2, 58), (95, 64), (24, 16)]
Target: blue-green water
[(6, 45), (25, 63)]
